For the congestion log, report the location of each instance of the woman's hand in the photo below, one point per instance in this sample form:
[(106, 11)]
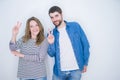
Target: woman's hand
[(18, 54), (16, 28), (15, 31)]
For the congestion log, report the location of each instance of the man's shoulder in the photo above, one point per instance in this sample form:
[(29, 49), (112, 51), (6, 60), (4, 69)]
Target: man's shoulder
[(72, 23)]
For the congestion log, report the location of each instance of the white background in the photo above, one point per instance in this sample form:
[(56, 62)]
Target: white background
[(100, 19)]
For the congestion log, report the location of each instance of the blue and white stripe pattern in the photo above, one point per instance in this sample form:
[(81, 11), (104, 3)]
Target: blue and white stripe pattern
[(33, 64)]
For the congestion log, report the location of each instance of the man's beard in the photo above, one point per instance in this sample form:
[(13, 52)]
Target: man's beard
[(57, 24)]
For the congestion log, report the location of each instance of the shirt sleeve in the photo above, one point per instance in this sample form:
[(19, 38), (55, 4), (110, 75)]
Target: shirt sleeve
[(85, 44), (51, 50), (15, 46)]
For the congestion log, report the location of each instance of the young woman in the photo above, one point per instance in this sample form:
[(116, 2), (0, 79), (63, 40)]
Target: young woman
[(32, 50)]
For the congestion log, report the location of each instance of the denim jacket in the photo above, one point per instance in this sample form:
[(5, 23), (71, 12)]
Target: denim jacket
[(79, 43)]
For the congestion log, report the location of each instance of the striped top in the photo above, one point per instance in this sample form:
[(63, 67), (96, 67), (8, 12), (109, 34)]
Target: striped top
[(32, 65)]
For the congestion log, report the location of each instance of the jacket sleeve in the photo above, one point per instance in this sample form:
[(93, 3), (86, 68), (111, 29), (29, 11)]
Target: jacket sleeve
[(51, 50), (85, 44)]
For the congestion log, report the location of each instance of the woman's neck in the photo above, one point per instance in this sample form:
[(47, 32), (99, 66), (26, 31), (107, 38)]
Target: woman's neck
[(33, 37)]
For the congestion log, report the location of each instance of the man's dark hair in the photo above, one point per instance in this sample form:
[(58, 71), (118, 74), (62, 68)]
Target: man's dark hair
[(55, 9)]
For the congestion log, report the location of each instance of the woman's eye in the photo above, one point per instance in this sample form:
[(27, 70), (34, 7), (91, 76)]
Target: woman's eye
[(31, 26), (37, 25)]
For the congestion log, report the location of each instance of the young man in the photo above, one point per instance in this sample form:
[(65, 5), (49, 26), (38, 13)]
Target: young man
[(69, 45)]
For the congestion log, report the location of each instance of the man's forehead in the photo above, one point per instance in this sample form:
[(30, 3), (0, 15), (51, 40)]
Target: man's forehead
[(54, 13)]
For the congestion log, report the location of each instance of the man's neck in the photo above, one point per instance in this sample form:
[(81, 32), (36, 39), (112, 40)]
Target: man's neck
[(63, 24)]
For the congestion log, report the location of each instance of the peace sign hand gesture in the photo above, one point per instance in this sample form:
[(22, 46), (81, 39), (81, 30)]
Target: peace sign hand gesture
[(16, 28), (15, 31), (50, 38)]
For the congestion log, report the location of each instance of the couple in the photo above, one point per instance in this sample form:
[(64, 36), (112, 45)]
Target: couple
[(67, 43)]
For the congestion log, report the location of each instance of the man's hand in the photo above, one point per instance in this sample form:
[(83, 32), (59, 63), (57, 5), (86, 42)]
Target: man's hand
[(84, 69), (50, 38)]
